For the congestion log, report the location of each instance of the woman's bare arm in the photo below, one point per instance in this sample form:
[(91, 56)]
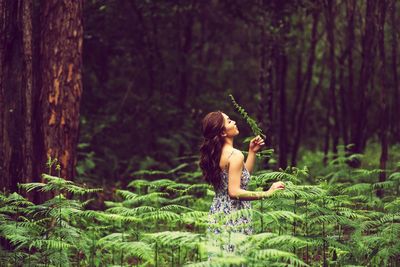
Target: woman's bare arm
[(251, 158), (235, 173)]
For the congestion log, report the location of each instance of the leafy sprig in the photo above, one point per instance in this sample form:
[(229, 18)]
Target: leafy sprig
[(250, 121)]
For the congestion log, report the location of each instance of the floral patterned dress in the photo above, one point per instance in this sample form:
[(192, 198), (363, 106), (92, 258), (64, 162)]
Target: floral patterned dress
[(223, 206)]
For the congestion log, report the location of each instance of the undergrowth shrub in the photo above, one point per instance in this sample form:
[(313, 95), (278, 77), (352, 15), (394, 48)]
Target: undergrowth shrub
[(161, 218)]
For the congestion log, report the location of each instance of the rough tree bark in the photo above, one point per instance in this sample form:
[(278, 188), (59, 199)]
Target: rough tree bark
[(61, 86), (40, 87), (16, 95)]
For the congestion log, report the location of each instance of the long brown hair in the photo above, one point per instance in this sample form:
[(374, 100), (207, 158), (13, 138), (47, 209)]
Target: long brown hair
[(211, 147)]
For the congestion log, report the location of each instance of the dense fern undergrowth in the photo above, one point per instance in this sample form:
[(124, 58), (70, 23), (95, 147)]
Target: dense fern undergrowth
[(160, 219)]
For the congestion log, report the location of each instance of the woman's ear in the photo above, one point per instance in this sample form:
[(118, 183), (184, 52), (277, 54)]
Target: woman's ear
[(223, 134)]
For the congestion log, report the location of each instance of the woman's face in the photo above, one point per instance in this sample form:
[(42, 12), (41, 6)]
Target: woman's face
[(231, 129)]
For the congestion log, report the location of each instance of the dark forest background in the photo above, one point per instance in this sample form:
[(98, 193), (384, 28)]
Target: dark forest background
[(314, 74), (113, 87), (101, 105)]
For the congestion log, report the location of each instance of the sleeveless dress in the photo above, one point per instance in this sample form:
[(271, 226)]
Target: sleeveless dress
[(219, 222)]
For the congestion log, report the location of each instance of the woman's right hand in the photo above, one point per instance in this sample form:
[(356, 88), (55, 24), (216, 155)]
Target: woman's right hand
[(277, 186)]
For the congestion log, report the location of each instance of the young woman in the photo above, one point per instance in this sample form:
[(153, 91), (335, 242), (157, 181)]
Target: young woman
[(223, 167)]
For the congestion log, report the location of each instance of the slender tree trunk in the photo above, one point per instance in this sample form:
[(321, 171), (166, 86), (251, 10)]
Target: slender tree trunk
[(185, 45), (282, 70), (343, 100), (262, 74), (307, 86), (299, 77), (61, 81), (327, 134), (347, 94), (396, 100), (264, 112), (383, 94), (368, 54), (270, 95), (330, 23)]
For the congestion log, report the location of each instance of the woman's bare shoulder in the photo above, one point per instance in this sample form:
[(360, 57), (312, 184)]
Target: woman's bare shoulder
[(229, 155), (237, 154)]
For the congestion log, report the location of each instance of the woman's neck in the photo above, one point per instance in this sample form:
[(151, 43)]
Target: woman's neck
[(228, 142)]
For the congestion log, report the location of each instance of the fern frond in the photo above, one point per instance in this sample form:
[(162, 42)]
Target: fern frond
[(358, 188), (181, 199), (251, 122), (283, 214), (78, 190), (232, 260), (195, 214), (195, 188), (154, 197), (277, 176), (176, 208), (160, 216), (394, 205), (174, 238), (131, 211), (126, 194), (278, 255), (31, 186), (384, 185), (138, 183), (286, 241), (50, 244)]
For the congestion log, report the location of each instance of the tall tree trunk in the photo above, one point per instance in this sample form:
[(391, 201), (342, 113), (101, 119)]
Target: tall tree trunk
[(282, 70), (265, 107), (298, 89), (299, 76), (185, 45), (330, 24), (307, 85), (61, 80), (343, 100), (358, 133), (269, 102), (347, 94), (327, 134), (383, 95), (16, 92), (396, 88), (262, 73)]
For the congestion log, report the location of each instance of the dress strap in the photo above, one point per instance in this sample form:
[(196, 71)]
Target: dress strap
[(231, 154), (227, 165)]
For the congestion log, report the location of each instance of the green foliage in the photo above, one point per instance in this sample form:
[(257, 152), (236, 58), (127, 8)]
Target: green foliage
[(164, 222)]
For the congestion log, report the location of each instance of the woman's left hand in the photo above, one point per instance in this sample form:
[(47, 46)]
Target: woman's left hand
[(255, 144)]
